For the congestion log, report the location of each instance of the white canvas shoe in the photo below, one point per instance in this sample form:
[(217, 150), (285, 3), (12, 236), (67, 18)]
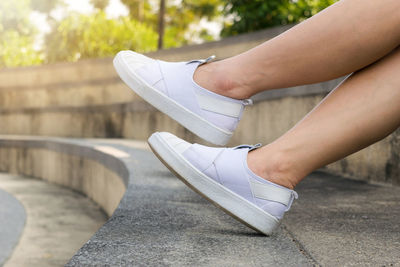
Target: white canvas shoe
[(222, 176), (169, 87)]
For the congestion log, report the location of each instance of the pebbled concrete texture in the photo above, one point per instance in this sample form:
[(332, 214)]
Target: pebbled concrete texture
[(336, 222), (12, 222), (160, 222), (342, 222)]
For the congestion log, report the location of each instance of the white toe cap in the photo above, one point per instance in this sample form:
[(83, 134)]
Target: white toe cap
[(133, 59), (176, 143)]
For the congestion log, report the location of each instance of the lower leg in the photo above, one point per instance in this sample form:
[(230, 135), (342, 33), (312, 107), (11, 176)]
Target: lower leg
[(362, 110), (343, 38)]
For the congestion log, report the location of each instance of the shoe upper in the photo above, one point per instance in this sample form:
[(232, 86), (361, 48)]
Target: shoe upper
[(175, 79), (228, 167)]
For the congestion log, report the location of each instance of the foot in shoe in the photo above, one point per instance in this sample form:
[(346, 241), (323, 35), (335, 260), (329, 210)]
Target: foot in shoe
[(222, 176), (169, 87)]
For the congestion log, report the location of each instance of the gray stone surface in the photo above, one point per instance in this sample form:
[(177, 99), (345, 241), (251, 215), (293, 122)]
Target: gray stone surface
[(336, 222), (161, 222), (12, 221), (342, 222)]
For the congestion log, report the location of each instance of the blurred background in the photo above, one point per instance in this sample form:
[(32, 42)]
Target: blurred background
[(35, 32), (57, 80), (70, 87)]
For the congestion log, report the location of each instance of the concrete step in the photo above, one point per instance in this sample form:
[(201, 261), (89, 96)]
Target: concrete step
[(162, 222), (159, 221), (343, 222), (336, 222)]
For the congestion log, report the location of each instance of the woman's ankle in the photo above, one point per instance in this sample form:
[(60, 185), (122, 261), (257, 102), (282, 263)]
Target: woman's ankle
[(217, 78), (276, 168)]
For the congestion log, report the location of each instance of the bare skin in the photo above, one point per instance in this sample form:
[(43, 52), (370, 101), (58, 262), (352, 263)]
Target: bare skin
[(343, 38), (352, 35), (364, 109)]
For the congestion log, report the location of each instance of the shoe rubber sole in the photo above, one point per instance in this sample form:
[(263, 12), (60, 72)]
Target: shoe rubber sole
[(230, 202), (188, 119)]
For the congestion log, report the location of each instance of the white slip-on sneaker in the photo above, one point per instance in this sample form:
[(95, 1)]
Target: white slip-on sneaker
[(169, 87), (222, 176)]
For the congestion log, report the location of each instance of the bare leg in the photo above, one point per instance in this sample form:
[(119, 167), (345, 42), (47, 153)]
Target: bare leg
[(343, 38), (362, 110)]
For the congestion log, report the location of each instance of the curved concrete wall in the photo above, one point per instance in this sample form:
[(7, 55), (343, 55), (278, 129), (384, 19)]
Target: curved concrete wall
[(87, 99), (99, 171), (96, 171)]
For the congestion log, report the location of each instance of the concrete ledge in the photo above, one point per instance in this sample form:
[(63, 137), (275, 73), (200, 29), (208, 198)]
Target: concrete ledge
[(268, 119), (159, 221), (96, 171)]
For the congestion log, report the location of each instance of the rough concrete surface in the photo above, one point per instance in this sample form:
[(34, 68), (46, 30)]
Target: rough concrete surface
[(160, 222), (336, 222), (12, 221), (59, 221), (342, 222)]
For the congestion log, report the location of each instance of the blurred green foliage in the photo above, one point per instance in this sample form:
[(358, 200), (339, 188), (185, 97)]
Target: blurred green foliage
[(17, 49), (15, 16), (17, 35), (100, 4), (248, 16), (44, 6), (79, 36), (179, 18), (141, 10), (85, 36)]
